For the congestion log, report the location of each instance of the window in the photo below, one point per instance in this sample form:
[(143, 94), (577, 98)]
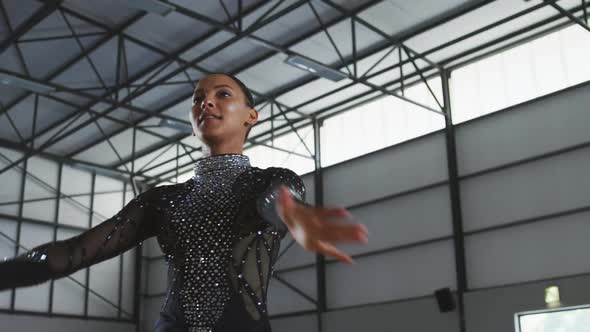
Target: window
[(544, 65), (568, 319)]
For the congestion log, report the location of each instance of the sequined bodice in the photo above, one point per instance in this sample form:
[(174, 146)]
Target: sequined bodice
[(221, 240), (220, 234)]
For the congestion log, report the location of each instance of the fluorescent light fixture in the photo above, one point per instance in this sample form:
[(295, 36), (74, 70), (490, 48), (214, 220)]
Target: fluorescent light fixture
[(23, 83), (264, 43), (315, 68), (552, 296), (152, 6), (183, 127)]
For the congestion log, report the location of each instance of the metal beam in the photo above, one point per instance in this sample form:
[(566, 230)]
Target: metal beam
[(47, 9)]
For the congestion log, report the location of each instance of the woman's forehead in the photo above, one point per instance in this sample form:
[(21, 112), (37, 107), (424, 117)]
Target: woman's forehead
[(211, 81)]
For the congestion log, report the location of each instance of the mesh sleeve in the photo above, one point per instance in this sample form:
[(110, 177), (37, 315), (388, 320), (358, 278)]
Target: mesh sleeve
[(130, 226)]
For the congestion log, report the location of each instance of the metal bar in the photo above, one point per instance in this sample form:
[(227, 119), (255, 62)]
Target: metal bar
[(401, 71), (56, 224), (455, 197), (295, 130), (43, 39), (42, 199), (295, 289), (121, 265), (319, 201), (379, 61), (90, 214), (227, 14), (585, 11), (75, 60), (353, 36), (419, 71), (16, 46), (34, 125), (175, 55), (568, 14), (291, 243), (81, 46), (18, 228), (48, 8), (327, 33)]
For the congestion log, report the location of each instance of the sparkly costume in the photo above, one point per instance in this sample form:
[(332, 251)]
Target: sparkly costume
[(219, 231)]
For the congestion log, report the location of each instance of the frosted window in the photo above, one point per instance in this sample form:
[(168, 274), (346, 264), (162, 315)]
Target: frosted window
[(380, 123), (544, 65)]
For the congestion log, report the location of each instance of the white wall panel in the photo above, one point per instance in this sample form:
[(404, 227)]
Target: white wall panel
[(307, 323), (11, 182), (532, 189), (524, 131), (395, 275), (11, 322), (543, 249), (158, 276), (8, 227), (104, 183), (281, 299), (151, 248), (46, 171), (75, 181), (69, 297), (406, 219), (414, 315), (390, 171), (106, 205), (35, 298), (74, 211), (128, 284), (41, 210), (493, 310), (304, 280), (104, 279)]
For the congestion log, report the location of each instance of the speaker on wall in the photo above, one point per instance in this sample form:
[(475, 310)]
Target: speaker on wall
[(445, 300)]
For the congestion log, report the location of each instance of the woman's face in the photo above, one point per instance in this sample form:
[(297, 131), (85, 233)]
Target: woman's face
[(219, 110)]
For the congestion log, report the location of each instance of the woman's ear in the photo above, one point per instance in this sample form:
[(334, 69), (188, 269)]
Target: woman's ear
[(252, 116)]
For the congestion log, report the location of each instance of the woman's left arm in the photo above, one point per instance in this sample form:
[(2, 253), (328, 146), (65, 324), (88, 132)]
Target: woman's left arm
[(315, 228)]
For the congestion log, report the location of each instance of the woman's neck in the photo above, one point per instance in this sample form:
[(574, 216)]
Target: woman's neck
[(222, 148)]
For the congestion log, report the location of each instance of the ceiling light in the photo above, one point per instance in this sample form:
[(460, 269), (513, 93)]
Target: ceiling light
[(315, 68), (152, 6), (23, 83), (183, 127), (264, 43)]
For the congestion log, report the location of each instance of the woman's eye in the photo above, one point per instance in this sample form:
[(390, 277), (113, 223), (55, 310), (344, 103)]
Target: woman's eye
[(224, 94)]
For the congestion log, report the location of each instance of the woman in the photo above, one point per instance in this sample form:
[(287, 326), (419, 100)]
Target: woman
[(220, 230)]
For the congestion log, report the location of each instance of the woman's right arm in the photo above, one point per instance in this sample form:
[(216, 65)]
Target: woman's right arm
[(136, 222)]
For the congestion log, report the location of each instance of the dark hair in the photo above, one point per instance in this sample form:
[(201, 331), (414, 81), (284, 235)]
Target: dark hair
[(245, 91), (243, 87)]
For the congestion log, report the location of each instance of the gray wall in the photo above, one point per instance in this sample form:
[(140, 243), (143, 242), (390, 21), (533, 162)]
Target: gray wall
[(12, 322), (525, 194), (526, 215)]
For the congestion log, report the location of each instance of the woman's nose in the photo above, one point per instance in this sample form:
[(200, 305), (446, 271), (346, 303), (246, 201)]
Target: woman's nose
[(206, 103)]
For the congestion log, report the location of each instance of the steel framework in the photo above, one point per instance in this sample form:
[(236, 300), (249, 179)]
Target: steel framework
[(284, 119)]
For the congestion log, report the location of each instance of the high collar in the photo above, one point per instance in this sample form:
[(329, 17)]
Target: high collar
[(221, 163)]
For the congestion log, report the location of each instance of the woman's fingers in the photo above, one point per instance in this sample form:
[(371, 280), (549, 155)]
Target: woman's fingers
[(329, 250), (344, 233)]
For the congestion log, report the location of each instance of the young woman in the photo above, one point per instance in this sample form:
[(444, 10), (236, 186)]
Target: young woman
[(220, 230)]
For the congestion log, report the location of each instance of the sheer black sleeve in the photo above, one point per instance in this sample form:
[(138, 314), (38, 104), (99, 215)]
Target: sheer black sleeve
[(267, 202), (130, 226)]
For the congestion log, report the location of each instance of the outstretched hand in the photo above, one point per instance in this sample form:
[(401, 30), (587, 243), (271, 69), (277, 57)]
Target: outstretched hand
[(317, 228)]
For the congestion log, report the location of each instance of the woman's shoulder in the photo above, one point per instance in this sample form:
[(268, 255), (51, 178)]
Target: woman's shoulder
[(163, 192)]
